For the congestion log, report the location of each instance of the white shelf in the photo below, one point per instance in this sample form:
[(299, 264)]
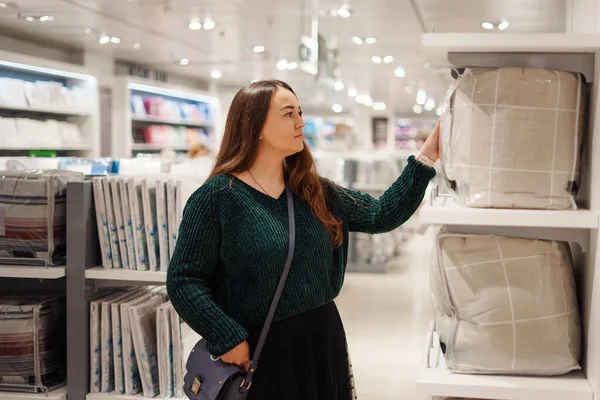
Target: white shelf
[(45, 110), (78, 147), (158, 147), (167, 121), (112, 396), (436, 46), (441, 382), (445, 212), (125, 275), (58, 394), (23, 271)]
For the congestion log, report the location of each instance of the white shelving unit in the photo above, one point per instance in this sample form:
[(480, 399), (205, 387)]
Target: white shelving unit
[(111, 396), (561, 51), (58, 394), (439, 381), (87, 118), (122, 141), (21, 271), (444, 211), (126, 275)]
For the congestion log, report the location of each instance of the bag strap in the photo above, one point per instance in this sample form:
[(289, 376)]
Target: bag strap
[(247, 382)]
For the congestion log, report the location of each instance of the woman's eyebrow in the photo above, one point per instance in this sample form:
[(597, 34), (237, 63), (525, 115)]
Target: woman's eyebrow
[(290, 107)]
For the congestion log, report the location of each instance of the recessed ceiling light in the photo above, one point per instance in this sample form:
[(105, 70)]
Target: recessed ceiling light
[(439, 111), (195, 25), (88, 30), (115, 40), (136, 46), (360, 99), (379, 106), (417, 109), (370, 40), (254, 80), (184, 61), (282, 64), (259, 49), (29, 19), (292, 65), (421, 97), (399, 72), (503, 25), (215, 74), (46, 18), (368, 102), (376, 59), (357, 40), (209, 24), (3, 5), (388, 59), (352, 92), (339, 85), (344, 12), (104, 39), (430, 104), (408, 89), (487, 25), (337, 108)]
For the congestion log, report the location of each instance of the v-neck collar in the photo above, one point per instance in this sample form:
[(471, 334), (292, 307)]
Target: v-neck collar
[(255, 190)]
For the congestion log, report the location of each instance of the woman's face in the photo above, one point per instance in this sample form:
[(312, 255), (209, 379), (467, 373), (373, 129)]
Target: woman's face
[(282, 131)]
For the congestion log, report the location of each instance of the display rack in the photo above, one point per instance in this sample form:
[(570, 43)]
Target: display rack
[(58, 394), (133, 119), (81, 111), (109, 396), (575, 53), (22, 271)]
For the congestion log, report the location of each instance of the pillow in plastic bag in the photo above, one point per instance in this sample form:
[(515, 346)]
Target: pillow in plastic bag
[(512, 138), (505, 305)]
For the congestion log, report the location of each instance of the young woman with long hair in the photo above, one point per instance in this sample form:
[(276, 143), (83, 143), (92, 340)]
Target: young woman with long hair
[(233, 243)]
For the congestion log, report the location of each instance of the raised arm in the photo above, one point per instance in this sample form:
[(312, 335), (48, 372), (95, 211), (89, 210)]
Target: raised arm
[(398, 203), (191, 272)]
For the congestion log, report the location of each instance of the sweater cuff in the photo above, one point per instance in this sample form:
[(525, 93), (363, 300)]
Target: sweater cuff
[(219, 346), (421, 171)]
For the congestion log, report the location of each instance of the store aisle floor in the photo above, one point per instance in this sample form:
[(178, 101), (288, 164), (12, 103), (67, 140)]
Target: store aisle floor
[(386, 317)]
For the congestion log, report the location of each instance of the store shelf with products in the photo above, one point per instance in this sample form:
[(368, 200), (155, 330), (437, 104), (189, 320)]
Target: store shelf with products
[(156, 116), (436, 380), (445, 211), (410, 133), (576, 53), (113, 274), (47, 105), (58, 394), (24, 271), (112, 396), (329, 132)]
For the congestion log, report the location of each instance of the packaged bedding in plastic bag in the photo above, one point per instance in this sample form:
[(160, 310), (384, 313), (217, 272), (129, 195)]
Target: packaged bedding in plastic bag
[(512, 138), (33, 211), (32, 343), (505, 305)]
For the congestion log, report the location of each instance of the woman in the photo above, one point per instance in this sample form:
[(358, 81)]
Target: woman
[(233, 243)]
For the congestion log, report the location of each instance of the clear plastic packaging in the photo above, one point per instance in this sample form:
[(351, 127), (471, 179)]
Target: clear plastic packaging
[(32, 343), (512, 138), (505, 305), (33, 211)]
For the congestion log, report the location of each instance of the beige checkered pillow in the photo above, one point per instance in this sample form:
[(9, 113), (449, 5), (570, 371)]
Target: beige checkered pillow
[(513, 137), (505, 305)]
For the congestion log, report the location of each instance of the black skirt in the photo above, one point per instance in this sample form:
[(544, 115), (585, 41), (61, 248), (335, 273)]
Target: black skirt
[(305, 358)]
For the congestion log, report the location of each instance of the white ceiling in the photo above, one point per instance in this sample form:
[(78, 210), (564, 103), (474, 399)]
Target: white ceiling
[(161, 29)]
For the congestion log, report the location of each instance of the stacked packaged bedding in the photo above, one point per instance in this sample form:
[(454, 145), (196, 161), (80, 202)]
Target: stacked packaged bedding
[(510, 138)]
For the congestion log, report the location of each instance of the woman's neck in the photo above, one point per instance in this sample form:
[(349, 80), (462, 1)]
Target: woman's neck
[(268, 168)]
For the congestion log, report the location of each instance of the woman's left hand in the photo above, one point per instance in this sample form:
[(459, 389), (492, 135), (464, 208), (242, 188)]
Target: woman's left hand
[(431, 147)]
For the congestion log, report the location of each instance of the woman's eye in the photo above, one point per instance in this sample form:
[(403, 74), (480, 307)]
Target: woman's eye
[(300, 114), (288, 114)]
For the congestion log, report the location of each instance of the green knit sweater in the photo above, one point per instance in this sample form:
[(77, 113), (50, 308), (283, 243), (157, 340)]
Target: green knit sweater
[(233, 242)]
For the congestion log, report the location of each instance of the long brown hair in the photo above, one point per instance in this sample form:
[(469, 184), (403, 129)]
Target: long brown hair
[(239, 149)]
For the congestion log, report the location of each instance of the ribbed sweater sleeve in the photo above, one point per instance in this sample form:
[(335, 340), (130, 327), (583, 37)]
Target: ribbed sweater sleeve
[(398, 203), (191, 272)]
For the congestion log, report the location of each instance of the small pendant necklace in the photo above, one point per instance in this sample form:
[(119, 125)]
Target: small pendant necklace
[(259, 185)]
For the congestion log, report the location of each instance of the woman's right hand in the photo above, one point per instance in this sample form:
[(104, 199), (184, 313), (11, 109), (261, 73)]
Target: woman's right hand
[(239, 355)]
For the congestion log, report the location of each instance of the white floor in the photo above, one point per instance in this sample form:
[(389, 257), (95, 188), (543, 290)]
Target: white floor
[(386, 317)]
